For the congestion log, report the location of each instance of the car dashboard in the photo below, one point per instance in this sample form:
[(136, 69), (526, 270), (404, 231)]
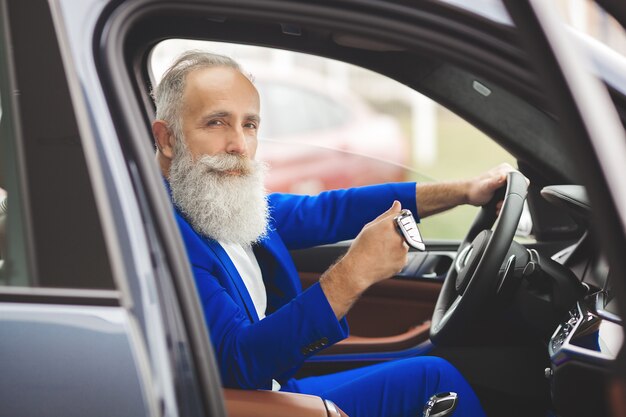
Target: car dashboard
[(586, 342), (582, 351), (587, 335)]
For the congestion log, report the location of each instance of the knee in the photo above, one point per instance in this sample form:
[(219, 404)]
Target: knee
[(442, 365), (443, 369), (434, 371)]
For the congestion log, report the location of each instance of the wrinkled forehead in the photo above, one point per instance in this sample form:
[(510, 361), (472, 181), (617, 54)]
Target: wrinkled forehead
[(219, 85)]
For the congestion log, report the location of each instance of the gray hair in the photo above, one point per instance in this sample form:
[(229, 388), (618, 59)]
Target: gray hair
[(168, 95)]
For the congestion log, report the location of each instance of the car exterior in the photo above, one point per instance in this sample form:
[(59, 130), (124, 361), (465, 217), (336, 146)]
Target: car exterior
[(98, 312)]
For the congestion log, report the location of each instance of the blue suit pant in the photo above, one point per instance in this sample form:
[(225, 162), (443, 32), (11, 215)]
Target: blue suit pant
[(396, 388)]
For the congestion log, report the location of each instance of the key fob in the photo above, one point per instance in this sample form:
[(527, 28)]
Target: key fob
[(442, 404), (405, 222)]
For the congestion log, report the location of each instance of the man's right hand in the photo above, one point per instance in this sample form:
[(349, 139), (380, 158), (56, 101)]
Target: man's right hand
[(377, 253)]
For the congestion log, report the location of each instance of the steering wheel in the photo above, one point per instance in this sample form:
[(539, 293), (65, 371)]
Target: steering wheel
[(472, 280)]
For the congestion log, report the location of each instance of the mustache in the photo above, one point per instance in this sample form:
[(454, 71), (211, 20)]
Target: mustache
[(226, 163)]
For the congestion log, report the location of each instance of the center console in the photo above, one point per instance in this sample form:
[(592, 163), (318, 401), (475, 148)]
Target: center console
[(582, 350)]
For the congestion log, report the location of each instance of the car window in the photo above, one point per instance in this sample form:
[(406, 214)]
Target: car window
[(308, 110), (328, 125), (492, 9), (585, 16), (590, 18), (13, 265), (53, 237)]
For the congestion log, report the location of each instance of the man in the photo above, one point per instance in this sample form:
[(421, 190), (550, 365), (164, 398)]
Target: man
[(261, 323)]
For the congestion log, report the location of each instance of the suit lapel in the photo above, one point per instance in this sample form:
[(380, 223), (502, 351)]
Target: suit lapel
[(234, 276), (278, 271)]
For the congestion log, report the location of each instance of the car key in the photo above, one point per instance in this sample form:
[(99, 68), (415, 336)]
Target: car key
[(441, 405), (405, 222)]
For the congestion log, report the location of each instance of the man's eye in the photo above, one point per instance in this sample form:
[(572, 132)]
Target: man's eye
[(215, 123), (250, 125)]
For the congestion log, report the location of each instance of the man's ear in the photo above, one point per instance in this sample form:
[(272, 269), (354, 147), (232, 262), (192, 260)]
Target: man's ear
[(163, 138)]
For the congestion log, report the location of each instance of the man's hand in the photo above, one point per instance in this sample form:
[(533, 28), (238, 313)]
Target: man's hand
[(377, 253), (482, 188), (440, 196)]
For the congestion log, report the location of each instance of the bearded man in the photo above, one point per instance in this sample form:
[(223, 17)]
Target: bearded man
[(262, 325)]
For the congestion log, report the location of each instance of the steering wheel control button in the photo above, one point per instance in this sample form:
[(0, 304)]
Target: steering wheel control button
[(441, 404), (406, 225)]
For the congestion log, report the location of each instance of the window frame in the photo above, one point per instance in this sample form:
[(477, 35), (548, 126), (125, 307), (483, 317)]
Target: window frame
[(22, 252), (55, 230)]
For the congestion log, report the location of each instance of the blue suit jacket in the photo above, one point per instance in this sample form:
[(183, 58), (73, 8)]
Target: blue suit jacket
[(250, 352)]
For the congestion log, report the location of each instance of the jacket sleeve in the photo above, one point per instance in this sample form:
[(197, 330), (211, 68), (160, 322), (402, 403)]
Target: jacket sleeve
[(332, 216), (252, 354)]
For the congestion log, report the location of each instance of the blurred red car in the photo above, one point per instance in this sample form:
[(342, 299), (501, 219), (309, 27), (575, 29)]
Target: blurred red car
[(331, 138)]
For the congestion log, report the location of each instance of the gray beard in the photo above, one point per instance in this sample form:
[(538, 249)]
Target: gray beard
[(227, 208)]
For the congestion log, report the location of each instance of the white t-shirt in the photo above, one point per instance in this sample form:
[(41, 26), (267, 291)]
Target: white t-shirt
[(244, 260)]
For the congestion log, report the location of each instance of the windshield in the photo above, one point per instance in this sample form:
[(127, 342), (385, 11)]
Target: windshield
[(582, 15)]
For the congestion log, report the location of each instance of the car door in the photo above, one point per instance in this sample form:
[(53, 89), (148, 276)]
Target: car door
[(91, 319), (68, 346), (598, 145)]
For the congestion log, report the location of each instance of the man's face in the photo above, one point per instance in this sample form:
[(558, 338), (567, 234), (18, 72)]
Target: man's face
[(220, 113)]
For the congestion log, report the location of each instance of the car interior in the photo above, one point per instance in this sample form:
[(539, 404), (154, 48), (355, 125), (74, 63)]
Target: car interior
[(550, 324)]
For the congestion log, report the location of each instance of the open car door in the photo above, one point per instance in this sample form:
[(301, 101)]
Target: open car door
[(599, 145)]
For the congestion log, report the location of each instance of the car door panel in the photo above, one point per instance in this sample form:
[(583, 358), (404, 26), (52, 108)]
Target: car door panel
[(72, 360), (392, 315)]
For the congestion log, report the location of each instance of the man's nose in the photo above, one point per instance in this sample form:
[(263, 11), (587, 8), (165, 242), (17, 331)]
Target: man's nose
[(237, 143)]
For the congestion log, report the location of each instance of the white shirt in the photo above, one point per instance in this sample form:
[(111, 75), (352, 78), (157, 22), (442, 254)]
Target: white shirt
[(246, 264)]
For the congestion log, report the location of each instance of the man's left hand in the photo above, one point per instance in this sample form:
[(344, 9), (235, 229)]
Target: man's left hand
[(482, 188), (432, 198)]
